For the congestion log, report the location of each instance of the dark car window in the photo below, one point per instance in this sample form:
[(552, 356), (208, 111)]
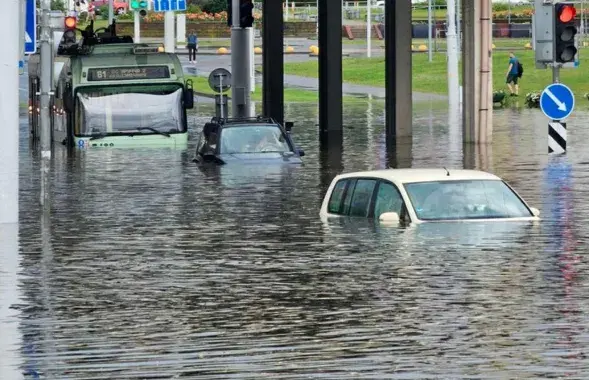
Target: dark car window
[(388, 199), (362, 197), (336, 197)]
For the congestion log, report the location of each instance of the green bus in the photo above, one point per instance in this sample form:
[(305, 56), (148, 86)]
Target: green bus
[(115, 94)]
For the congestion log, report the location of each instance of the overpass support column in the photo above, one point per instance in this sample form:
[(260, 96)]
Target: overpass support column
[(330, 74), (273, 60), (398, 82), (477, 107)]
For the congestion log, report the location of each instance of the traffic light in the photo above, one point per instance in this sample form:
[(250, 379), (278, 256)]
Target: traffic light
[(139, 6), (565, 30), (246, 14), (229, 12), (69, 33), (70, 23)]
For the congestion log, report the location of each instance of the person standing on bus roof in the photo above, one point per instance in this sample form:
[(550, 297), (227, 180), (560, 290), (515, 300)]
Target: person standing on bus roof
[(192, 46)]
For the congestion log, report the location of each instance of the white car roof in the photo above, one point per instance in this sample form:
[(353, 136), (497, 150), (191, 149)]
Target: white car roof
[(423, 175)]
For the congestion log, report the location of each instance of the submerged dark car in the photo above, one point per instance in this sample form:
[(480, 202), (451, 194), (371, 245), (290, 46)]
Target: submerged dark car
[(252, 140)]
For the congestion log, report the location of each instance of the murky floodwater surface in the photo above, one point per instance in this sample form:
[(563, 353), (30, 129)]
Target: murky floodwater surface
[(151, 268)]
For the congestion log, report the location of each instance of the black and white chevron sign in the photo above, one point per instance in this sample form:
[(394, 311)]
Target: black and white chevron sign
[(557, 137)]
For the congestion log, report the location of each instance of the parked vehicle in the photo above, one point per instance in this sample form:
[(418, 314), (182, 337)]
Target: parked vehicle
[(250, 140), (406, 196), (119, 6)]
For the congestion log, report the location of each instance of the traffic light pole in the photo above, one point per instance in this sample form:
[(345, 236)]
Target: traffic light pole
[(555, 73), (45, 94), (241, 64)]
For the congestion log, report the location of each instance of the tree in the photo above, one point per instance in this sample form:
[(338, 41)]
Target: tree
[(213, 6)]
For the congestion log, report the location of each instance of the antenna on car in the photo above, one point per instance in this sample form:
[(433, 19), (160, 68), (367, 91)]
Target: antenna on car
[(447, 172)]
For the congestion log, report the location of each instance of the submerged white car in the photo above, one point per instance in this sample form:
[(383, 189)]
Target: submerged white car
[(405, 196)]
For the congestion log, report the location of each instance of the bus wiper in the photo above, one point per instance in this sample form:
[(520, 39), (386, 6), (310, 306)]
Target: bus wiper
[(154, 131), (98, 136)]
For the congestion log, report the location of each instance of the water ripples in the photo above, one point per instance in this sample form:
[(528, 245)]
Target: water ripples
[(150, 268)]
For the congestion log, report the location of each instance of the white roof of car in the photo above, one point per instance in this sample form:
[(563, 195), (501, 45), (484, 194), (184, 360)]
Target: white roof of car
[(423, 175)]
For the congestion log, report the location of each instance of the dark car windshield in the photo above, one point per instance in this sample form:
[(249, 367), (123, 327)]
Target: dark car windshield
[(465, 199), (253, 139)]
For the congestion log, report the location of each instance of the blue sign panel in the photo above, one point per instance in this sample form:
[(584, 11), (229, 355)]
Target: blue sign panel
[(30, 27), (169, 5), (557, 101)]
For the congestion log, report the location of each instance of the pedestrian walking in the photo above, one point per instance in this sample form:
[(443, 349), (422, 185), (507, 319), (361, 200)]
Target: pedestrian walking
[(192, 45), (514, 72)]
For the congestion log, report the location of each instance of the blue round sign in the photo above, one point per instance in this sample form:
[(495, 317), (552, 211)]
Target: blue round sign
[(557, 101), (81, 143)]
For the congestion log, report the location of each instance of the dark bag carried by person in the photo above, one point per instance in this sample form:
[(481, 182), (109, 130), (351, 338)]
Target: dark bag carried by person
[(520, 69)]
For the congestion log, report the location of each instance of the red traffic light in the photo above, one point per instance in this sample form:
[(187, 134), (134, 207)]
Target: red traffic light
[(567, 13), (70, 22)]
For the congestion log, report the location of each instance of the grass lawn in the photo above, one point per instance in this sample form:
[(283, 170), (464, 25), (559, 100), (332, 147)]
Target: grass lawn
[(432, 77), (201, 85)]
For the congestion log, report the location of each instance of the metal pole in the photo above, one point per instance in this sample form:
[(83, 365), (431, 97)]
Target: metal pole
[(221, 103), (369, 28), (429, 30), (111, 12), (45, 93), (9, 95), (240, 66), (252, 61), (136, 27), (458, 28), (169, 28), (555, 73), (509, 13), (453, 84)]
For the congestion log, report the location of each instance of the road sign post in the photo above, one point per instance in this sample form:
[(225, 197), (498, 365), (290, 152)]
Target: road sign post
[(220, 81), (557, 103)]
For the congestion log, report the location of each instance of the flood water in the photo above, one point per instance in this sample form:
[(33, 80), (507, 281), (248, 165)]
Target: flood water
[(150, 268)]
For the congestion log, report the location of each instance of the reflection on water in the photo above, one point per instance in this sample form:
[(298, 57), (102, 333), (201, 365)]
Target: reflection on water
[(150, 267)]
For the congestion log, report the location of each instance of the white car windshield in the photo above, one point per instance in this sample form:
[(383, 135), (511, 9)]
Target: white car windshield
[(253, 139), (465, 199)]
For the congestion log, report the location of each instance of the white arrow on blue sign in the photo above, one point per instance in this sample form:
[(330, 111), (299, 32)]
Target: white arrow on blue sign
[(169, 5), (30, 27), (557, 101)]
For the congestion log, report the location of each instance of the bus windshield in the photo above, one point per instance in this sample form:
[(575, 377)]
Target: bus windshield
[(129, 110)]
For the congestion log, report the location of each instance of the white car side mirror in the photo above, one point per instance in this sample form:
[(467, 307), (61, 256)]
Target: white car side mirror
[(535, 211), (389, 218)]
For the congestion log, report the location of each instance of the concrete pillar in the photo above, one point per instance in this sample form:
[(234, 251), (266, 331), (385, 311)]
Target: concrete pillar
[(398, 81), (477, 107), (330, 74), (169, 32), (181, 28), (9, 95), (273, 60)]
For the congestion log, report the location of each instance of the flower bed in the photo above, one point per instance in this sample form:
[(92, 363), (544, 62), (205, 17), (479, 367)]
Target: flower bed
[(533, 99)]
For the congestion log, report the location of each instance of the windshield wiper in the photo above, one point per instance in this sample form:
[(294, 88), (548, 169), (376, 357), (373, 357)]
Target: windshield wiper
[(99, 136), (154, 131)]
